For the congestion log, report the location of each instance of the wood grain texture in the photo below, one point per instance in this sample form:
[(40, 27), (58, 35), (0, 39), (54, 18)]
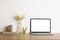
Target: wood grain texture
[(30, 37)]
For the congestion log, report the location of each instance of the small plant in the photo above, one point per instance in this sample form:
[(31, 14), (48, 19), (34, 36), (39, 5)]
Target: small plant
[(24, 30)]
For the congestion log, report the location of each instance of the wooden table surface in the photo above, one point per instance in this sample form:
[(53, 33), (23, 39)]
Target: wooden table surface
[(30, 37)]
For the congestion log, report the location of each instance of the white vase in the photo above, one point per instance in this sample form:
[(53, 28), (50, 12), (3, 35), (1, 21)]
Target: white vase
[(19, 27)]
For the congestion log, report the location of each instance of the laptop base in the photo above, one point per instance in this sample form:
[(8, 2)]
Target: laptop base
[(41, 34)]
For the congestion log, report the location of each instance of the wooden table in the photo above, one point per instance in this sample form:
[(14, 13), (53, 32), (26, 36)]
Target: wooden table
[(30, 37)]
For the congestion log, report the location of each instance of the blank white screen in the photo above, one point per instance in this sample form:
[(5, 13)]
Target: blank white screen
[(40, 25)]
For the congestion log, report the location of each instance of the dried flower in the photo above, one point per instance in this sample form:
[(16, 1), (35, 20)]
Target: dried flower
[(19, 18)]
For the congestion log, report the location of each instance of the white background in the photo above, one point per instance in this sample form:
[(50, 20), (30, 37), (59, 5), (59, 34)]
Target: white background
[(30, 8), (40, 25)]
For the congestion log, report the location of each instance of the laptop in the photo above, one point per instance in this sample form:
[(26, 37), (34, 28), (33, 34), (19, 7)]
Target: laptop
[(40, 26)]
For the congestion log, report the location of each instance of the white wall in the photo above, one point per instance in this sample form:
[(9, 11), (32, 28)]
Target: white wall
[(30, 8)]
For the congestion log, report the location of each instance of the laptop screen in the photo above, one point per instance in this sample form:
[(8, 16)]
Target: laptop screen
[(40, 25)]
